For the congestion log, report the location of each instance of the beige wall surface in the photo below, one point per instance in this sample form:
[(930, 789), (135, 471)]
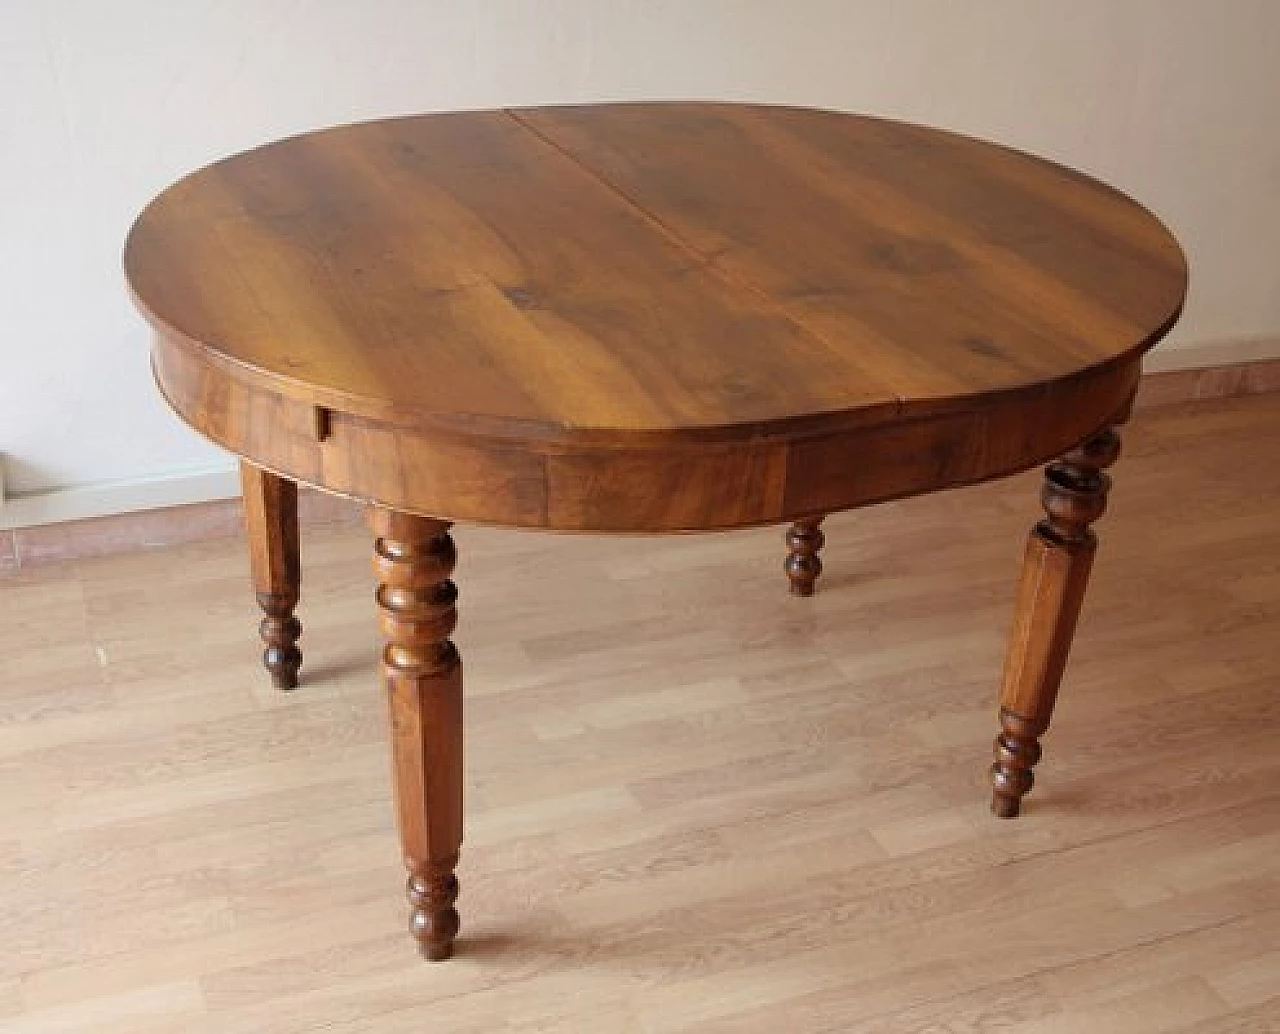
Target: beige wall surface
[(103, 104)]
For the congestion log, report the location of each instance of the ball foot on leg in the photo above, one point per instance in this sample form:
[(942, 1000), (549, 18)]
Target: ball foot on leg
[(803, 565)]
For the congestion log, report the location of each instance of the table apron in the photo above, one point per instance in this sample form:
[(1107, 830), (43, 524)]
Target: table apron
[(607, 488)]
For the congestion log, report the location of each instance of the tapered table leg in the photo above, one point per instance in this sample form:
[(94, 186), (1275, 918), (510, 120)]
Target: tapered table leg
[(271, 513), (413, 558), (1054, 573), (803, 565)]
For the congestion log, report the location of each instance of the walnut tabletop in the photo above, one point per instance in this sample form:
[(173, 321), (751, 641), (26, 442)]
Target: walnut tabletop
[(550, 305), (644, 317)]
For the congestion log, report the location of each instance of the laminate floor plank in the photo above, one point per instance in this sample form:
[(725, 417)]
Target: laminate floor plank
[(695, 803)]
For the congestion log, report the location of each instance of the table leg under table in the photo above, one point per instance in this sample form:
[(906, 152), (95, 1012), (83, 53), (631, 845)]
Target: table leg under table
[(803, 565), (271, 514), (1054, 573), (413, 562), (413, 558)]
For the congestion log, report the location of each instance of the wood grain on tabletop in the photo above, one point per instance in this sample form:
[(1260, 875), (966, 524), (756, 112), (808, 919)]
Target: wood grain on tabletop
[(647, 317)]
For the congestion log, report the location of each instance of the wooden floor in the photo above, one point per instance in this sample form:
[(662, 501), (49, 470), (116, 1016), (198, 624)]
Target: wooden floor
[(695, 803)]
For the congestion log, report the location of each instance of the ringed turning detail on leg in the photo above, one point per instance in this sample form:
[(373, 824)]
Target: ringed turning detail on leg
[(271, 516), (413, 559), (1055, 570), (804, 541)]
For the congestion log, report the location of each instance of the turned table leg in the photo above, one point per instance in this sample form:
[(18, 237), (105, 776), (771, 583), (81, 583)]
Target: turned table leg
[(413, 558), (271, 513), (1054, 572), (804, 541)]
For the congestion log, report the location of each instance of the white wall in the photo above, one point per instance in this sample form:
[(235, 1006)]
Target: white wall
[(103, 103)]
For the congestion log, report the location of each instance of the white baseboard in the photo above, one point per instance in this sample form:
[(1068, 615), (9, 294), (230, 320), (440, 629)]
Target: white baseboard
[(1213, 353), (202, 486), (114, 497)]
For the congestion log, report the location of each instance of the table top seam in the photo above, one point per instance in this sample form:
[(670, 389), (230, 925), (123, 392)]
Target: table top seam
[(895, 398)]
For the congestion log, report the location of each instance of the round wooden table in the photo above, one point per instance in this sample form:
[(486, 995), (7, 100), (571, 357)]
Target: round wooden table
[(649, 317)]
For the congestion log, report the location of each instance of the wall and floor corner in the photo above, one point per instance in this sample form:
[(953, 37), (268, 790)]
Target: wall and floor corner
[(101, 106)]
